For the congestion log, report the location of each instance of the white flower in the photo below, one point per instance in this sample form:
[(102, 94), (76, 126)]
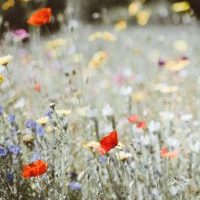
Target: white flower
[(166, 115), (186, 117), (107, 110), (4, 60), (154, 126), (173, 142), (125, 91)]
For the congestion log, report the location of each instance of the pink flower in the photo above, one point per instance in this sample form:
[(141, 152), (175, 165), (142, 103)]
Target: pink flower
[(20, 34)]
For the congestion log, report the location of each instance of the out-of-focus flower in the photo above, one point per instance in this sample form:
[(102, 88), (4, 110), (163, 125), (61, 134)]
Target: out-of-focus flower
[(123, 155), (37, 87), (63, 112), (3, 151), (40, 17), (180, 6), (180, 45), (56, 43), (168, 154), (20, 34), (43, 120), (31, 124), (1, 79), (161, 63), (119, 79), (107, 110), (102, 159), (40, 131), (121, 25), (133, 118), (108, 142), (28, 139), (34, 169), (11, 118), (107, 36), (98, 60), (134, 8), (4, 60), (141, 124), (138, 96), (176, 65), (93, 145), (74, 186), (165, 115), (164, 88), (15, 149), (8, 4), (154, 126), (49, 114), (143, 17), (186, 117)]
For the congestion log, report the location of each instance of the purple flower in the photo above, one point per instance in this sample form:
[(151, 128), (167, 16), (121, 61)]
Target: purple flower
[(20, 34), (15, 149), (3, 151), (11, 118), (31, 124), (74, 186), (40, 131), (49, 114), (1, 110)]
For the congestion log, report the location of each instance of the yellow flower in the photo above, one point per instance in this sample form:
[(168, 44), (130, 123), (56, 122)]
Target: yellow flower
[(138, 96), (98, 59), (163, 88), (176, 65), (123, 155), (92, 145), (4, 60), (63, 112), (180, 6), (121, 25), (143, 17), (8, 4), (107, 36), (134, 8), (43, 120), (1, 79), (57, 43)]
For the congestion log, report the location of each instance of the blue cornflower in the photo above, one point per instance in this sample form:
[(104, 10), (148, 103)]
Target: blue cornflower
[(15, 149), (74, 185), (1, 110), (10, 177), (102, 159), (3, 151), (49, 114), (31, 124), (40, 131), (11, 118)]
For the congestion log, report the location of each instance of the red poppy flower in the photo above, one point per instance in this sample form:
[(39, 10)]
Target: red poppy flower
[(141, 124), (34, 169), (40, 17), (37, 87), (168, 154), (108, 142), (133, 118)]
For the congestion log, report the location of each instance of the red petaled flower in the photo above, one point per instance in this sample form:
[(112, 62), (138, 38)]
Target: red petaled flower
[(34, 169), (133, 118), (37, 87), (141, 124), (108, 142), (40, 17), (168, 154)]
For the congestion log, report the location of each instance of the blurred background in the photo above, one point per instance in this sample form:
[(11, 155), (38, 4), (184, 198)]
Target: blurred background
[(14, 13)]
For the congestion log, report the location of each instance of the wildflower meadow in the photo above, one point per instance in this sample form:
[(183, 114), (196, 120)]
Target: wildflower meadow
[(102, 111)]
